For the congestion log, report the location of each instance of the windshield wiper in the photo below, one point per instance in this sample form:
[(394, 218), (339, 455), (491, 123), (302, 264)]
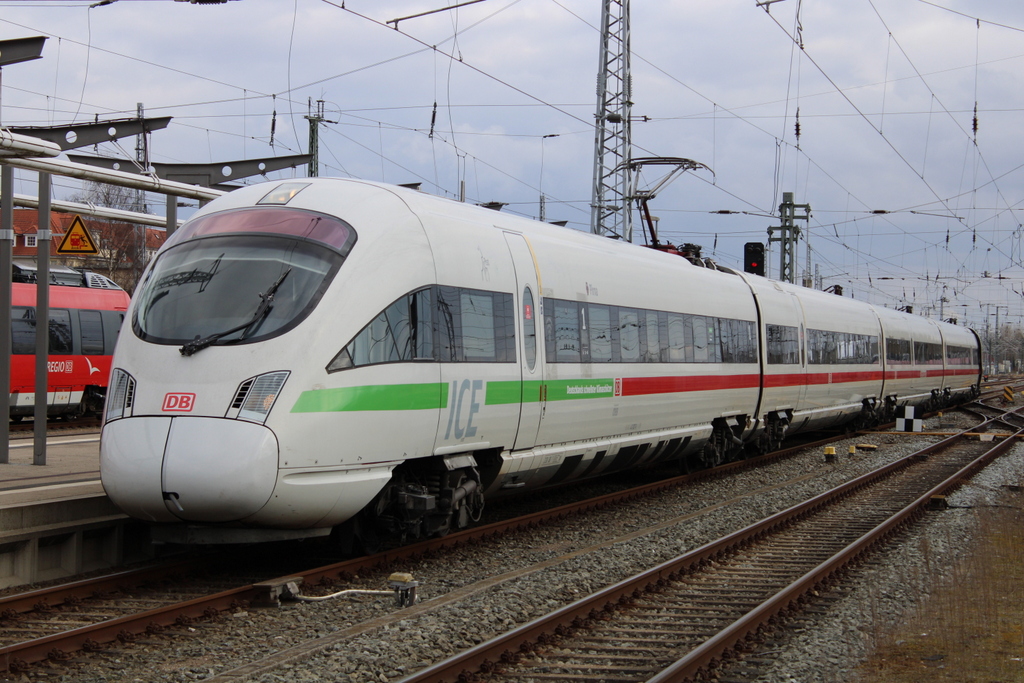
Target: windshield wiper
[(266, 303)]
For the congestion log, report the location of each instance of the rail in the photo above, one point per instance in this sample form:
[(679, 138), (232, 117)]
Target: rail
[(505, 651)]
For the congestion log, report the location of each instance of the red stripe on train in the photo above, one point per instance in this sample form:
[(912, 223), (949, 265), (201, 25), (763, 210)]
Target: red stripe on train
[(646, 386), (640, 386)]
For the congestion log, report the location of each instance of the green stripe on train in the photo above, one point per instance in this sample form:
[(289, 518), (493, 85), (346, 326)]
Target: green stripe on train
[(433, 396), (429, 396), (499, 393)]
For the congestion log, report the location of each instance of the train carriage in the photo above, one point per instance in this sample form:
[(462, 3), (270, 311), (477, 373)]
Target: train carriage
[(961, 347), (842, 374), (336, 354), (86, 312)]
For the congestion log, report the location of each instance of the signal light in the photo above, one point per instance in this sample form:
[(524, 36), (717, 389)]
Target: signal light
[(753, 258)]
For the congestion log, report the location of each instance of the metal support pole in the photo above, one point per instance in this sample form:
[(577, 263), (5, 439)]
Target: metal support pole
[(789, 235), (172, 215), (42, 320), (6, 251), (611, 208)]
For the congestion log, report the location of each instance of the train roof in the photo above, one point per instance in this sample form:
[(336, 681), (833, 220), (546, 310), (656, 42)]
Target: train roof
[(24, 294), (325, 198), (358, 194)]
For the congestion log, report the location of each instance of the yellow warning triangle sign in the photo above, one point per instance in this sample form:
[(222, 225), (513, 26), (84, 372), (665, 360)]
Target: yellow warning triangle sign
[(77, 239)]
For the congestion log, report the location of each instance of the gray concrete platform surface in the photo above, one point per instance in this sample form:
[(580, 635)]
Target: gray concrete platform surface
[(55, 519), (72, 469)]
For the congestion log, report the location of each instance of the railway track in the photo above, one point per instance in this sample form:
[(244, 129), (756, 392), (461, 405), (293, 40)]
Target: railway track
[(55, 426), (75, 604), (693, 615), (54, 622)]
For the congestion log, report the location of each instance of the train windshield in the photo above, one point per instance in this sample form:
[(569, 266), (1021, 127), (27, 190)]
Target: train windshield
[(232, 288)]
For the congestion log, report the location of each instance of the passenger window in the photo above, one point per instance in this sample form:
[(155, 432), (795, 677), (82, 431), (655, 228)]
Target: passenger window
[(437, 323), (700, 339), (600, 333), (60, 331), (423, 324), (567, 332), (629, 335), (652, 354), (23, 330), (478, 342), (387, 339), (91, 323), (677, 338), (783, 344)]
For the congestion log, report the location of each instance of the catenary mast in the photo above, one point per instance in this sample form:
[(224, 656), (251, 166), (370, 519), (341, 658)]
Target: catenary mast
[(611, 205)]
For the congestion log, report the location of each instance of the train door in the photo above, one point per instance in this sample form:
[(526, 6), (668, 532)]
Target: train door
[(529, 326), (800, 389)]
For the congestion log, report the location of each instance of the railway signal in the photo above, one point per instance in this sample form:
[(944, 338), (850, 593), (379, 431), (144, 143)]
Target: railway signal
[(753, 258)]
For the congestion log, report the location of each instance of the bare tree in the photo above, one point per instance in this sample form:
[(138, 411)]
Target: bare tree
[(122, 248)]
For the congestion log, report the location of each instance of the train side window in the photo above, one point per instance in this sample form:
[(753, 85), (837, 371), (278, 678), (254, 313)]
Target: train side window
[(60, 331), (783, 345), (700, 339), (23, 330), (736, 341), (600, 333), (478, 323), (529, 329), (676, 338), (926, 353), (727, 340), (388, 338), (629, 335), (567, 332), (385, 338), (897, 351), (750, 339), (437, 323), (584, 333), (689, 349), (652, 352), (662, 336), (813, 347), (423, 324), (958, 355), (505, 327), (484, 327), (91, 323), (447, 323)]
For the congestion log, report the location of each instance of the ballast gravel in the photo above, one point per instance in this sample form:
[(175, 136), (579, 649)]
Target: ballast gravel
[(825, 652)]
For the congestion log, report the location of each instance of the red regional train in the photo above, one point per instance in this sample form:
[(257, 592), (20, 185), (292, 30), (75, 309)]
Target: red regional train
[(86, 311)]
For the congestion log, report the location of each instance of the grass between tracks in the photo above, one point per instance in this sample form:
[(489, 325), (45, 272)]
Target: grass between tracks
[(969, 629)]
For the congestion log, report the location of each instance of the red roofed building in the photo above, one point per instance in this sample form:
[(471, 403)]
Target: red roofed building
[(124, 249)]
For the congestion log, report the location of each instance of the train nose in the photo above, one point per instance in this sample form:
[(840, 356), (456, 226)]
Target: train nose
[(196, 469)]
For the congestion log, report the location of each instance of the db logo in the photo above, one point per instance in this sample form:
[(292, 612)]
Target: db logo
[(180, 403)]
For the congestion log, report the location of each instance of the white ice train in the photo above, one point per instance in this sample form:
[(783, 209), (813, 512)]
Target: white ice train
[(338, 354)]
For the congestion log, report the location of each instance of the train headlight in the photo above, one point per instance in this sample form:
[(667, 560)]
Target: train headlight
[(120, 395), (256, 396)]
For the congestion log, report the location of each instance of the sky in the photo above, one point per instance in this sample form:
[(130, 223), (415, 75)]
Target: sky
[(915, 198)]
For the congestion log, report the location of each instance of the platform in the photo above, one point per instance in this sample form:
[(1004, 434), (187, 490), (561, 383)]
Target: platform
[(55, 519), (72, 470)]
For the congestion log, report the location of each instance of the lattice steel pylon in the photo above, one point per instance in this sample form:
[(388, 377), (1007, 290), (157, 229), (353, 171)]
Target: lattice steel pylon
[(611, 207)]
